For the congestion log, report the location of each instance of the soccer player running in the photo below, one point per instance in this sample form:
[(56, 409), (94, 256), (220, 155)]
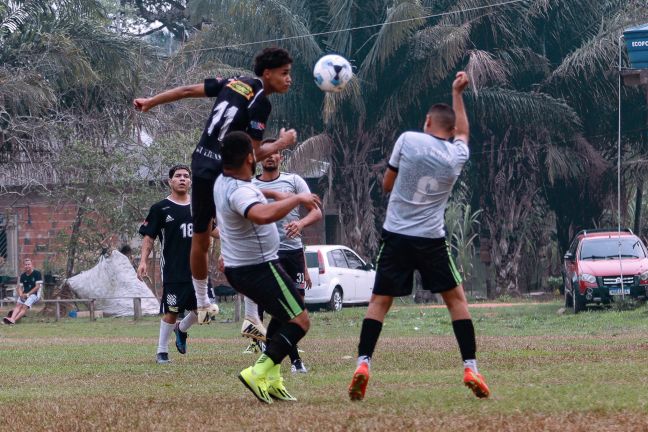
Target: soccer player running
[(241, 105), (170, 221), (421, 172), (291, 248), (249, 246)]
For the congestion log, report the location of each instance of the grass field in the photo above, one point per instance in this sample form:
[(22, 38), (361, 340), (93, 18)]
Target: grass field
[(547, 372)]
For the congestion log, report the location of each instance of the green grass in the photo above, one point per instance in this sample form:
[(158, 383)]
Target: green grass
[(547, 371)]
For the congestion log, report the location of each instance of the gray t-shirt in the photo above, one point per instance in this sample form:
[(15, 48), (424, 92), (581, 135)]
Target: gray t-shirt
[(427, 170), (290, 183), (242, 241)]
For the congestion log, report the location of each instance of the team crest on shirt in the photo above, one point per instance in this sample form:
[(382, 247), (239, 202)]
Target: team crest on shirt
[(241, 88), (257, 125)]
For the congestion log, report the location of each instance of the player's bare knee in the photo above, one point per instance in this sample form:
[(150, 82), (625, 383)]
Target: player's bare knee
[(302, 320)]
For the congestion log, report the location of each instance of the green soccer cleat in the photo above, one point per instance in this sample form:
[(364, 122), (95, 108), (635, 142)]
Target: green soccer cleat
[(277, 390), (257, 385)]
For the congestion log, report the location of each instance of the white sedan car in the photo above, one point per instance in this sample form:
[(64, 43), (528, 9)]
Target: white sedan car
[(339, 276)]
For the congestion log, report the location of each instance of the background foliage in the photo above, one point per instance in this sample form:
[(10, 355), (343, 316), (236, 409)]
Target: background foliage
[(542, 105)]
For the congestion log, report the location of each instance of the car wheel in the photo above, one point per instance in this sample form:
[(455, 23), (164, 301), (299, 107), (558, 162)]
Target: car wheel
[(568, 299), (335, 304), (578, 302)]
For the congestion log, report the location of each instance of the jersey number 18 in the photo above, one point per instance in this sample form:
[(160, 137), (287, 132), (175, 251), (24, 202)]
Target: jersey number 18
[(187, 230)]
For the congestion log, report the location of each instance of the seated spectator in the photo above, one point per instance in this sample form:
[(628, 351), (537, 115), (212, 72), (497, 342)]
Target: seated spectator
[(27, 292)]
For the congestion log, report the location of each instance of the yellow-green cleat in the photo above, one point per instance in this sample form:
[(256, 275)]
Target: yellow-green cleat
[(256, 384), (277, 390)]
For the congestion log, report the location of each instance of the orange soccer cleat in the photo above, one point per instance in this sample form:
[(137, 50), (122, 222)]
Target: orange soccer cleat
[(359, 382), (475, 381)]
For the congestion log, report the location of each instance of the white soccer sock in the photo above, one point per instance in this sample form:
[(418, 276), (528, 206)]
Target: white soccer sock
[(188, 321), (165, 332), (200, 287), (364, 359), (472, 364), (251, 310)]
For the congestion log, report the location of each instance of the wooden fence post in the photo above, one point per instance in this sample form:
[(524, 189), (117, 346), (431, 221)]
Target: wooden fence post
[(92, 309), (137, 308), (58, 308), (237, 307)]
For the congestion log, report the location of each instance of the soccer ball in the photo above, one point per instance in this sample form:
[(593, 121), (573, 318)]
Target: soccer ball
[(332, 73)]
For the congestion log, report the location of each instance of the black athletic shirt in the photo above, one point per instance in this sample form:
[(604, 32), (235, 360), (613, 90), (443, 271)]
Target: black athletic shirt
[(241, 105), (29, 281), (172, 223)]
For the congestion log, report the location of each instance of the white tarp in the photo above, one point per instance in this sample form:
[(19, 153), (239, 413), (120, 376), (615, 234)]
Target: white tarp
[(114, 276)]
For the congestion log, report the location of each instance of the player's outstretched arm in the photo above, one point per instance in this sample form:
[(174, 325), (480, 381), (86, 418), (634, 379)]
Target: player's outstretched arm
[(285, 140), (262, 214), (276, 195), (462, 129), (182, 92)]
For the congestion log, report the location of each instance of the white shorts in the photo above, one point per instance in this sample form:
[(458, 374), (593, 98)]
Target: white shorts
[(33, 298)]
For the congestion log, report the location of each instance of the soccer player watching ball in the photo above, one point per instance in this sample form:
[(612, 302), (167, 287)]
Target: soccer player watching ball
[(241, 105), (170, 221), (249, 246), (421, 172)]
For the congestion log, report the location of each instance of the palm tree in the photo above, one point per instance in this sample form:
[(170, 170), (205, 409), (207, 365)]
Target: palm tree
[(541, 139)]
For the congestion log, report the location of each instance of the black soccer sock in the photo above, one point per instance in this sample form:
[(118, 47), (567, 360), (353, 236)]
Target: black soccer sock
[(272, 328), (283, 341), (369, 337), (465, 333), (294, 354)]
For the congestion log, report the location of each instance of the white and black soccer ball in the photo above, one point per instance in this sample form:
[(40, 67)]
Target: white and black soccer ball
[(332, 73)]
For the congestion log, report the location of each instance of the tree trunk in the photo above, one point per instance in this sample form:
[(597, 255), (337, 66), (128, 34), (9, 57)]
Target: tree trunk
[(74, 239)]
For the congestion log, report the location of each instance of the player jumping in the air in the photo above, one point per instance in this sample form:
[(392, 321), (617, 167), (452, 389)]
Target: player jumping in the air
[(241, 105), (249, 246), (170, 220), (291, 248), (421, 172)]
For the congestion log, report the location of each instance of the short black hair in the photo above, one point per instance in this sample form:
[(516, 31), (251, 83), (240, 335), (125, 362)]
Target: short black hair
[(236, 146), (271, 58), (177, 167), (443, 116)]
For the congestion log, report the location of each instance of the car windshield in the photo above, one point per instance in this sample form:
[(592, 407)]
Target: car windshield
[(608, 248)]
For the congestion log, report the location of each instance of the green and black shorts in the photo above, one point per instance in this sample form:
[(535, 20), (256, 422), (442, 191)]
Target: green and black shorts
[(400, 255), (269, 286)]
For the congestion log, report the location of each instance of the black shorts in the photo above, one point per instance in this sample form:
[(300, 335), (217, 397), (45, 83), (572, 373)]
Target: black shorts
[(177, 297), (269, 286), (400, 255), (293, 263), (203, 209)]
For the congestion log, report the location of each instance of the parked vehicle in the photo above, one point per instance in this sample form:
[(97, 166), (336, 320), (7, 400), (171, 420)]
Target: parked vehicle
[(340, 277), (601, 266)]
